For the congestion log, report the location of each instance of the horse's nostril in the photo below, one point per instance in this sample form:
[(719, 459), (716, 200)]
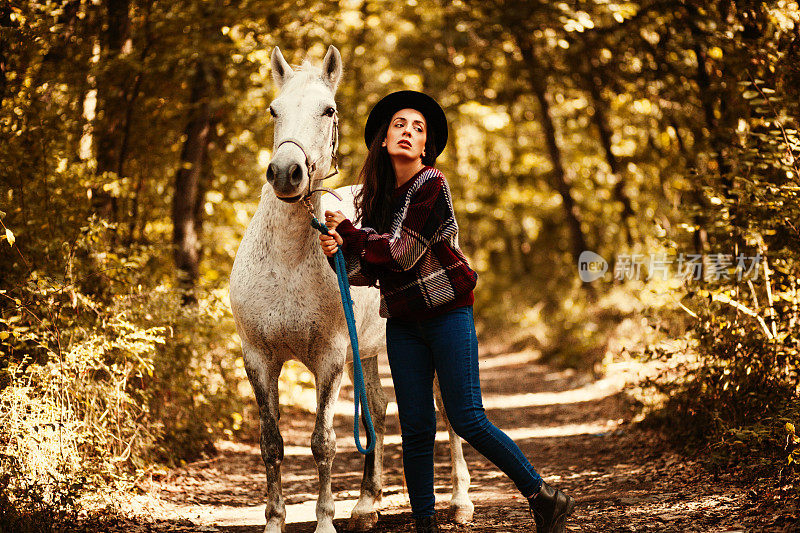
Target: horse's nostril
[(270, 173), (295, 174)]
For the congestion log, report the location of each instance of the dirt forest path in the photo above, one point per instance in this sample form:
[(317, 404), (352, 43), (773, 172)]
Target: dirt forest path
[(575, 430)]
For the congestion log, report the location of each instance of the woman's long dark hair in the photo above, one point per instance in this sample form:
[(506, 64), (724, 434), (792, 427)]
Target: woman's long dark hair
[(373, 202)]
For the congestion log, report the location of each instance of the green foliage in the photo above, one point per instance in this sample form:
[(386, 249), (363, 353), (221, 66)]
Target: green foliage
[(743, 387), (632, 127), (732, 398), (94, 391)]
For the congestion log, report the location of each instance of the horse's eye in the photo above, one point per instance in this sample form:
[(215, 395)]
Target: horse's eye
[(329, 112), (272, 112)]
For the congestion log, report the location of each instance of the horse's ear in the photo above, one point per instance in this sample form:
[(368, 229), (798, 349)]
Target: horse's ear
[(281, 71), (332, 68)]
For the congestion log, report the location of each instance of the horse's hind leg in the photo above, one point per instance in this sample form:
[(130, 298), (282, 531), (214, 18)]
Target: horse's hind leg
[(461, 508), (365, 513), (263, 372), (323, 439)]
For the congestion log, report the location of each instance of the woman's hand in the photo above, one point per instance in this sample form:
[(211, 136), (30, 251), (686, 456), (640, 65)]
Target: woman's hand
[(333, 218), (330, 243)]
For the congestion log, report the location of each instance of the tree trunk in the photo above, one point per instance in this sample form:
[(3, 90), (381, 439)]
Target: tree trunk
[(188, 195), (700, 239), (110, 109), (539, 86), (600, 117), (126, 130), (5, 23), (719, 136)]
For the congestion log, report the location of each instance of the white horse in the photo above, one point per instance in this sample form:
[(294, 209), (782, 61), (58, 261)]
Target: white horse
[(286, 303)]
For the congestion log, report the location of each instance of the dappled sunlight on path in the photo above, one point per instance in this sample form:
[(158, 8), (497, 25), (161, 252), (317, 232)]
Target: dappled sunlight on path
[(575, 430)]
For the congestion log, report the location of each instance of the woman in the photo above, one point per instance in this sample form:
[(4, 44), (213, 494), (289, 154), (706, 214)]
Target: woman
[(409, 243)]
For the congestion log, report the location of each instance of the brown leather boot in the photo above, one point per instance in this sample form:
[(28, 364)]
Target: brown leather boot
[(550, 508)]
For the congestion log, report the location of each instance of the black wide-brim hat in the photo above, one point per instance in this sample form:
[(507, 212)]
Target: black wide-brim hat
[(393, 102)]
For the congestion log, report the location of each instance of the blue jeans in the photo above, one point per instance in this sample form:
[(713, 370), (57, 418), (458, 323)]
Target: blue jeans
[(448, 345)]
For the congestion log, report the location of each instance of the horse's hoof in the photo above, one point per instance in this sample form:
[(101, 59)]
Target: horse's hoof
[(326, 527), (462, 514), (273, 527), (363, 522)]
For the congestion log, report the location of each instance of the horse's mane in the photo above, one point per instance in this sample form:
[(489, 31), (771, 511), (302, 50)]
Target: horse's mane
[(307, 66)]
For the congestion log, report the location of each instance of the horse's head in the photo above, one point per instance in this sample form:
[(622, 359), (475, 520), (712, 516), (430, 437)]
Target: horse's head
[(305, 119)]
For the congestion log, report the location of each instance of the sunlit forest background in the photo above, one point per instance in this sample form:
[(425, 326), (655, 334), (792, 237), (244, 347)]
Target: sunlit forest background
[(135, 139)]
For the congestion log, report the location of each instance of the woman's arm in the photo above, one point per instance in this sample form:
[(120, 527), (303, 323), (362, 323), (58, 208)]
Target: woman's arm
[(429, 213), (358, 273)]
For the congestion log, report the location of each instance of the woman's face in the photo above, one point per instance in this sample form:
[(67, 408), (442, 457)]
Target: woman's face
[(406, 135)]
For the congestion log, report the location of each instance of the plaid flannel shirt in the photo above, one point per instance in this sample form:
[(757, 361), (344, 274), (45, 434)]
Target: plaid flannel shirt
[(418, 265)]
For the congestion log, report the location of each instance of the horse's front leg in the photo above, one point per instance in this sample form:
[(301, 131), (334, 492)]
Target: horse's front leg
[(461, 508), (365, 513), (263, 372), (328, 377)]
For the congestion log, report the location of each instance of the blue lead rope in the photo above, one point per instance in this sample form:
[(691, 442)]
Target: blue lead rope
[(359, 392)]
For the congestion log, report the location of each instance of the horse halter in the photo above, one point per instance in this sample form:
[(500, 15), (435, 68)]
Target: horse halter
[(312, 166)]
